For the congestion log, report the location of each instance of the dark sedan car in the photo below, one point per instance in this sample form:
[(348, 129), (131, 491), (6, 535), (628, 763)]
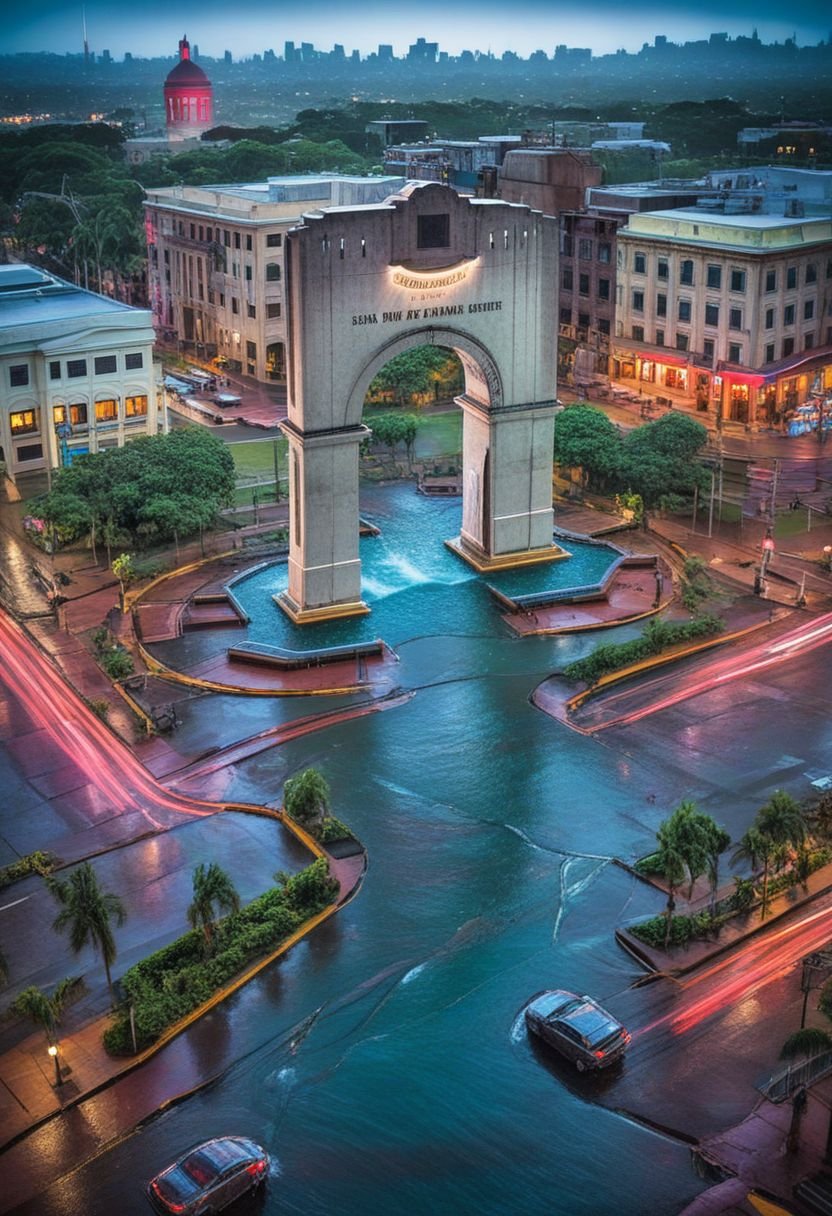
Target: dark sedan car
[(209, 1177), (578, 1028)]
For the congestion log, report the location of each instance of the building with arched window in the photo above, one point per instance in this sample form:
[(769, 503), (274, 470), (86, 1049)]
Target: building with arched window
[(189, 106)]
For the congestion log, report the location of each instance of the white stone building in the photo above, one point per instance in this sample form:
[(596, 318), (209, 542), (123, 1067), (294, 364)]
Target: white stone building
[(215, 262), (76, 372)]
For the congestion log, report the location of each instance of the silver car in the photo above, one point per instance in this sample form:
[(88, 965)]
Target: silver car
[(209, 1177), (578, 1028)]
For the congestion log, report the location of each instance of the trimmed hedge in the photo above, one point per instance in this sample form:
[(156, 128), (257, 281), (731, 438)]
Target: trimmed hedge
[(657, 637), (331, 829), (175, 980), (38, 862)]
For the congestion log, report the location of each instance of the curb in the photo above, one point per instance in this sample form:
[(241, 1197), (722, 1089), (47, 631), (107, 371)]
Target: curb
[(229, 989), (157, 668)]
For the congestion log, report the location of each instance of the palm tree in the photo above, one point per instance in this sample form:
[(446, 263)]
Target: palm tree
[(86, 911), (716, 842), (306, 796), (45, 1011), (755, 847), (782, 820), (213, 890), (672, 864)]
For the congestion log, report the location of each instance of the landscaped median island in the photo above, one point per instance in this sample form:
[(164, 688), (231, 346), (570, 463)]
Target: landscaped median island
[(656, 638), (786, 846), (164, 988)]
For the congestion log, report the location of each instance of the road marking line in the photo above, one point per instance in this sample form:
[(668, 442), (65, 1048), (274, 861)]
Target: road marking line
[(16, 902)]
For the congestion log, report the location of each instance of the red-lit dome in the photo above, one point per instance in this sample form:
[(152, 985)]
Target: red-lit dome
[(189, 108)]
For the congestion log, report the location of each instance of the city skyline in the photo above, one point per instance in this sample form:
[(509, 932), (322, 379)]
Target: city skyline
[(57, 26)]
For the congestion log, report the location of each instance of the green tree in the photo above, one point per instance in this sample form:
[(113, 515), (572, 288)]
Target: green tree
[(660, 457), (125, 572), (717, 841), (671, 862), (782, 820), (86, 913), (45, 1011), (805, 1043), (757, 848), (214, 892), (586, 439), (306, 797)]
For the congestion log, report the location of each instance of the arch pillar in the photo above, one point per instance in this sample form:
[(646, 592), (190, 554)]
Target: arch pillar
[(324, 567)]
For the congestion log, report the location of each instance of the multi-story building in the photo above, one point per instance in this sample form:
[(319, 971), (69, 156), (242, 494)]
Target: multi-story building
[(76, 372), (732, 312), (215, 262)]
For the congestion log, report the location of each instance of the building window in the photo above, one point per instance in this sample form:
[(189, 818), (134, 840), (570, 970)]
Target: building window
[(684, 310), (769, 318), (735, 318), (638, 333), (248, 273), (433, 231), (133, 362), (18, 375), (603, 289), (788, 347), (272, 272), (567, 246), (248, 242), (55, 370), (738, 280), (23, 422), (808, 341), (274, 240), (788, 314), (604, 253), (659, 337), (661, 305), (811, 275), (566, 279), (769, 355), (106, 411), (808, 310), (235, 305), (583, 284), (252, 310), (226, 238), (662, 269), (686, 272), (134, 407), (681, 341), (272, 310), (76, 368), (566, 316), (708, 349), (585, 249), (771, 280), (583, 320), (638, 301), (604, 326), (791, 277), (714, 278), (29, 451), (105, 365), (237, 240), (640, 263), (251, 350), (734, 352), (712, 314)]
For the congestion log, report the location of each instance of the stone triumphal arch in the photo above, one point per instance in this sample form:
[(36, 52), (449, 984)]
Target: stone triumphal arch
[(366, 283)]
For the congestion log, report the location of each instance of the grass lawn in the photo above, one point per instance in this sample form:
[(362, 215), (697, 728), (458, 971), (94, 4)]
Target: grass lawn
[(255, 458)]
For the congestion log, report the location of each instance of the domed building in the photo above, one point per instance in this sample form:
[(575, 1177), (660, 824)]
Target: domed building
[(189, 108)]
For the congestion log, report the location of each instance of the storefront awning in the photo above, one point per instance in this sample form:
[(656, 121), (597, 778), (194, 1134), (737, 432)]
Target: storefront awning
[(640, 350)]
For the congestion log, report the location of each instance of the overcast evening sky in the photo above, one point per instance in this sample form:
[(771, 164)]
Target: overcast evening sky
[(154, 27)]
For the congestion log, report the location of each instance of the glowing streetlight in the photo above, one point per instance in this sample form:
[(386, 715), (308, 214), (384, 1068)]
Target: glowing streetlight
[(53, 1051)]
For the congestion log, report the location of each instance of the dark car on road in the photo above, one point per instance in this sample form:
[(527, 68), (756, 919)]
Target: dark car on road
[(209, 1177), (578, 1028)]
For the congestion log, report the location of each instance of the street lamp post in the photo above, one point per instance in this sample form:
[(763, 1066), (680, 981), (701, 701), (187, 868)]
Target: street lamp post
[(53, 1052)]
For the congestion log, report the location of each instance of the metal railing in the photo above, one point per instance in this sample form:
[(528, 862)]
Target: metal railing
[(782, 1085)]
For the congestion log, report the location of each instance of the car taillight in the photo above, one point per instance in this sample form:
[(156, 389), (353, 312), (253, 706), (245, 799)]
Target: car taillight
[(256, 1167), (171, 1207), (599, 1055)]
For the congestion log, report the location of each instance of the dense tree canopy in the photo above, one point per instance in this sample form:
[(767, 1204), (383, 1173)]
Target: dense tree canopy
[(585, 438), (152, 489), (425, 372)]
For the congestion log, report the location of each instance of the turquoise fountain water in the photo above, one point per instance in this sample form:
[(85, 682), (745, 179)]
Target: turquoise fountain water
[(413, 584)]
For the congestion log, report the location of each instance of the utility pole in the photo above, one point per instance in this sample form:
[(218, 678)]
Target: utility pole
[(711, 508)]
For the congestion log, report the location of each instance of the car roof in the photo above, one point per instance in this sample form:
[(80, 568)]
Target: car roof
[(590, 1020)]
